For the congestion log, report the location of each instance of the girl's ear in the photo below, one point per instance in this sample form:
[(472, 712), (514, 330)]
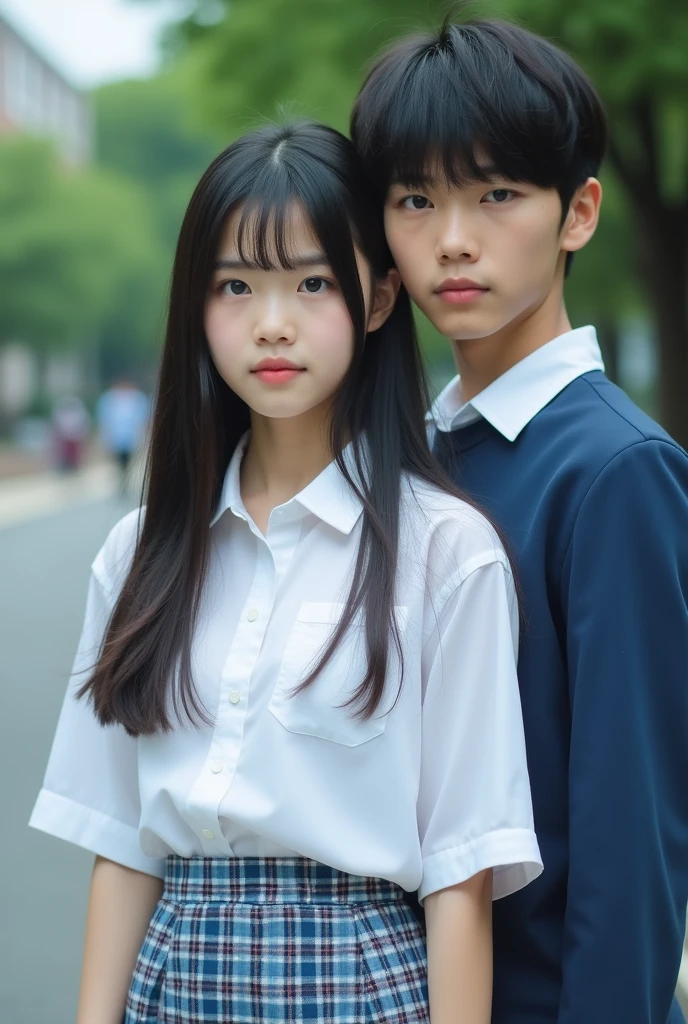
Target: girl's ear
[(386, 291)]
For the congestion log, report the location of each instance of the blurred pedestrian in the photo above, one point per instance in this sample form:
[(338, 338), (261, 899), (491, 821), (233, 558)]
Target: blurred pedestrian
[(122, 416), (71, 426)]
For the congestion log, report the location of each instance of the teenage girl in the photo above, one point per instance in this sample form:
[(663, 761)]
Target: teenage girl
[(294, 711)]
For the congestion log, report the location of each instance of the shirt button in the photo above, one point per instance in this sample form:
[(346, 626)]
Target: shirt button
[(252, 615), (235, 697), (208, 834), (217, 767)]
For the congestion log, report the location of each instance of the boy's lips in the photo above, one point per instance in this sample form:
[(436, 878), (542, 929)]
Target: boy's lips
[(459, 290)]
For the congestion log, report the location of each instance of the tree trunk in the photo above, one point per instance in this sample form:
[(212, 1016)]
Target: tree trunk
[(665, 267), (608, 336), (663, 260)]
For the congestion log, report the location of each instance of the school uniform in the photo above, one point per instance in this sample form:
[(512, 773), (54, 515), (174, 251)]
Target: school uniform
[(290, 833), (592, 496)]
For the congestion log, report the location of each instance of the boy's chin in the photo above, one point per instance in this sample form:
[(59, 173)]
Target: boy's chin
[(464, 325), (466, 332)]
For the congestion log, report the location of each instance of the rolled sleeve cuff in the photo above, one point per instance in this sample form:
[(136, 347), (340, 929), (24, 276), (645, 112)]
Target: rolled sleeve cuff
[(93, 831), (512, 854)]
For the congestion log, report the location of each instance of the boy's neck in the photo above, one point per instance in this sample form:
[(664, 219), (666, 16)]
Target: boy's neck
[(480, 361)]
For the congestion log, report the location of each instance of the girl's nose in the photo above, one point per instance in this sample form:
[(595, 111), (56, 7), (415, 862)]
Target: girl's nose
[(275, 325)]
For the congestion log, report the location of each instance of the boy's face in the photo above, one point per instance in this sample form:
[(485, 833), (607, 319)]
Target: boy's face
[(479, 258)]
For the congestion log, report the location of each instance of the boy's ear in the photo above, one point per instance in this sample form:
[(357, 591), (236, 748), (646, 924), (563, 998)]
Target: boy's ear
[(386, 291), (583, 215)]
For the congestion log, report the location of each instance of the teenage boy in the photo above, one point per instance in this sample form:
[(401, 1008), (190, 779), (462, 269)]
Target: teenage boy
[(486, 141)]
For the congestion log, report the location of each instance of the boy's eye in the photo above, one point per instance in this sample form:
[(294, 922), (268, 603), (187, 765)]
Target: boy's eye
[(314, 285), (234, 287), (500, 196), (416, 202)]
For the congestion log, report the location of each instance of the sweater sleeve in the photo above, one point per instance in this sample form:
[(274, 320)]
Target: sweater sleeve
[(625, 583)]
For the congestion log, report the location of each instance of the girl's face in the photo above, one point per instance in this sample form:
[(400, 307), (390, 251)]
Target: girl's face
[(282, 339)]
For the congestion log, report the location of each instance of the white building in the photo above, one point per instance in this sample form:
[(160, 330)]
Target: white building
[(36, 98)]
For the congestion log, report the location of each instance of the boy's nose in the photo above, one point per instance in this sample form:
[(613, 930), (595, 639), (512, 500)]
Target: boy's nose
[(456, 241)]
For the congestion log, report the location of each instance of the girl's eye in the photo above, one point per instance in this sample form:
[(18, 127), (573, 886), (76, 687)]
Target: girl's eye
[(314, 285), (416, 203), (500, 196), (234, 287)]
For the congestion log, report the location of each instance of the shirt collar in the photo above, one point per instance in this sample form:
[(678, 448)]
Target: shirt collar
[(329, 496), (515, 398)]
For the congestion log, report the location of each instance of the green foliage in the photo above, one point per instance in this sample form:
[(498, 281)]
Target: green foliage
[(145, 131), (635, 52), (308, 58), (602, 285), (68, 247), (305, 57), (250, 58), (632, 48)]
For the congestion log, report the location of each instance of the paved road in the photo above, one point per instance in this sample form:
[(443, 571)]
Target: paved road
[(43, 577)]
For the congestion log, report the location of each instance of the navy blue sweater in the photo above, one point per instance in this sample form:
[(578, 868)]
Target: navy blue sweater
[(593, 498)]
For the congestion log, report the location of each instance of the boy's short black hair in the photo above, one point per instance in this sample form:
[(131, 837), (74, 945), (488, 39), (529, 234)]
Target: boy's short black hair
[(481, 90)]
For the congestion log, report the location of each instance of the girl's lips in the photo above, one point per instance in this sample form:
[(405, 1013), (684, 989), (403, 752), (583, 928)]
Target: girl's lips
[(277, 375)]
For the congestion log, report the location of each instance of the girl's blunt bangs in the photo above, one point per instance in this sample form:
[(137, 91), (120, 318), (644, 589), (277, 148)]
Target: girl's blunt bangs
[(289, 182), (425, 110)]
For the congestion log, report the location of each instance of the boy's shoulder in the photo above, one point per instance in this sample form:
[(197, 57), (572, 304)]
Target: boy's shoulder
[(627, 421), (592, 422), (112, 563), (598, 454)]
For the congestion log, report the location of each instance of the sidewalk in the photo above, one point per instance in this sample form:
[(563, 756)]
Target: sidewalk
[(24, 498), (14, 462)]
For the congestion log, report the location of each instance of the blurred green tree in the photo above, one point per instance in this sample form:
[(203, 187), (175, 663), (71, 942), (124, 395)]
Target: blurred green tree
[(146, 132), (635, 52), (252, 57), (69, 245)]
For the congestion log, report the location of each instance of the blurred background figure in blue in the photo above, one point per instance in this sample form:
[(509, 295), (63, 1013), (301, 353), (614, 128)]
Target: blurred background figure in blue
[(122, 414)]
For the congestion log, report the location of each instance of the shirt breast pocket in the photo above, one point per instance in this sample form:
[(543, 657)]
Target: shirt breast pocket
[(316, 711)]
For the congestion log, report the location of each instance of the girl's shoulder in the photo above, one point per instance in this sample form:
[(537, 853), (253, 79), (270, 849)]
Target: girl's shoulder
[(453, 535), (112, 563)]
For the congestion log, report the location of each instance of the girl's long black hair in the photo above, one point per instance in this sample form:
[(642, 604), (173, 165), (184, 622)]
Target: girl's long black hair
[(143, 678)]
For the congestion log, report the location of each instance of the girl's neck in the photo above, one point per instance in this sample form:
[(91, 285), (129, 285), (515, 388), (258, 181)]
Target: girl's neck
[(282, 458)]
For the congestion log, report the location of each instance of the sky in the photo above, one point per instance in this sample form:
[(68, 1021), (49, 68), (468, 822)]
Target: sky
[(93, 41)]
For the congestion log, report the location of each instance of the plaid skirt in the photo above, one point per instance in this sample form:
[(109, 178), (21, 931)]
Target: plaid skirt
[(254, 940)]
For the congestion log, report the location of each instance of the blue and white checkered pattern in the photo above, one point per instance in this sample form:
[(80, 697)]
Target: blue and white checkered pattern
[(256, 940)]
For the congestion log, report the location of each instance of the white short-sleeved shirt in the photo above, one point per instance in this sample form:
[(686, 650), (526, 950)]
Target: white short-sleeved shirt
[(431, 790)]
